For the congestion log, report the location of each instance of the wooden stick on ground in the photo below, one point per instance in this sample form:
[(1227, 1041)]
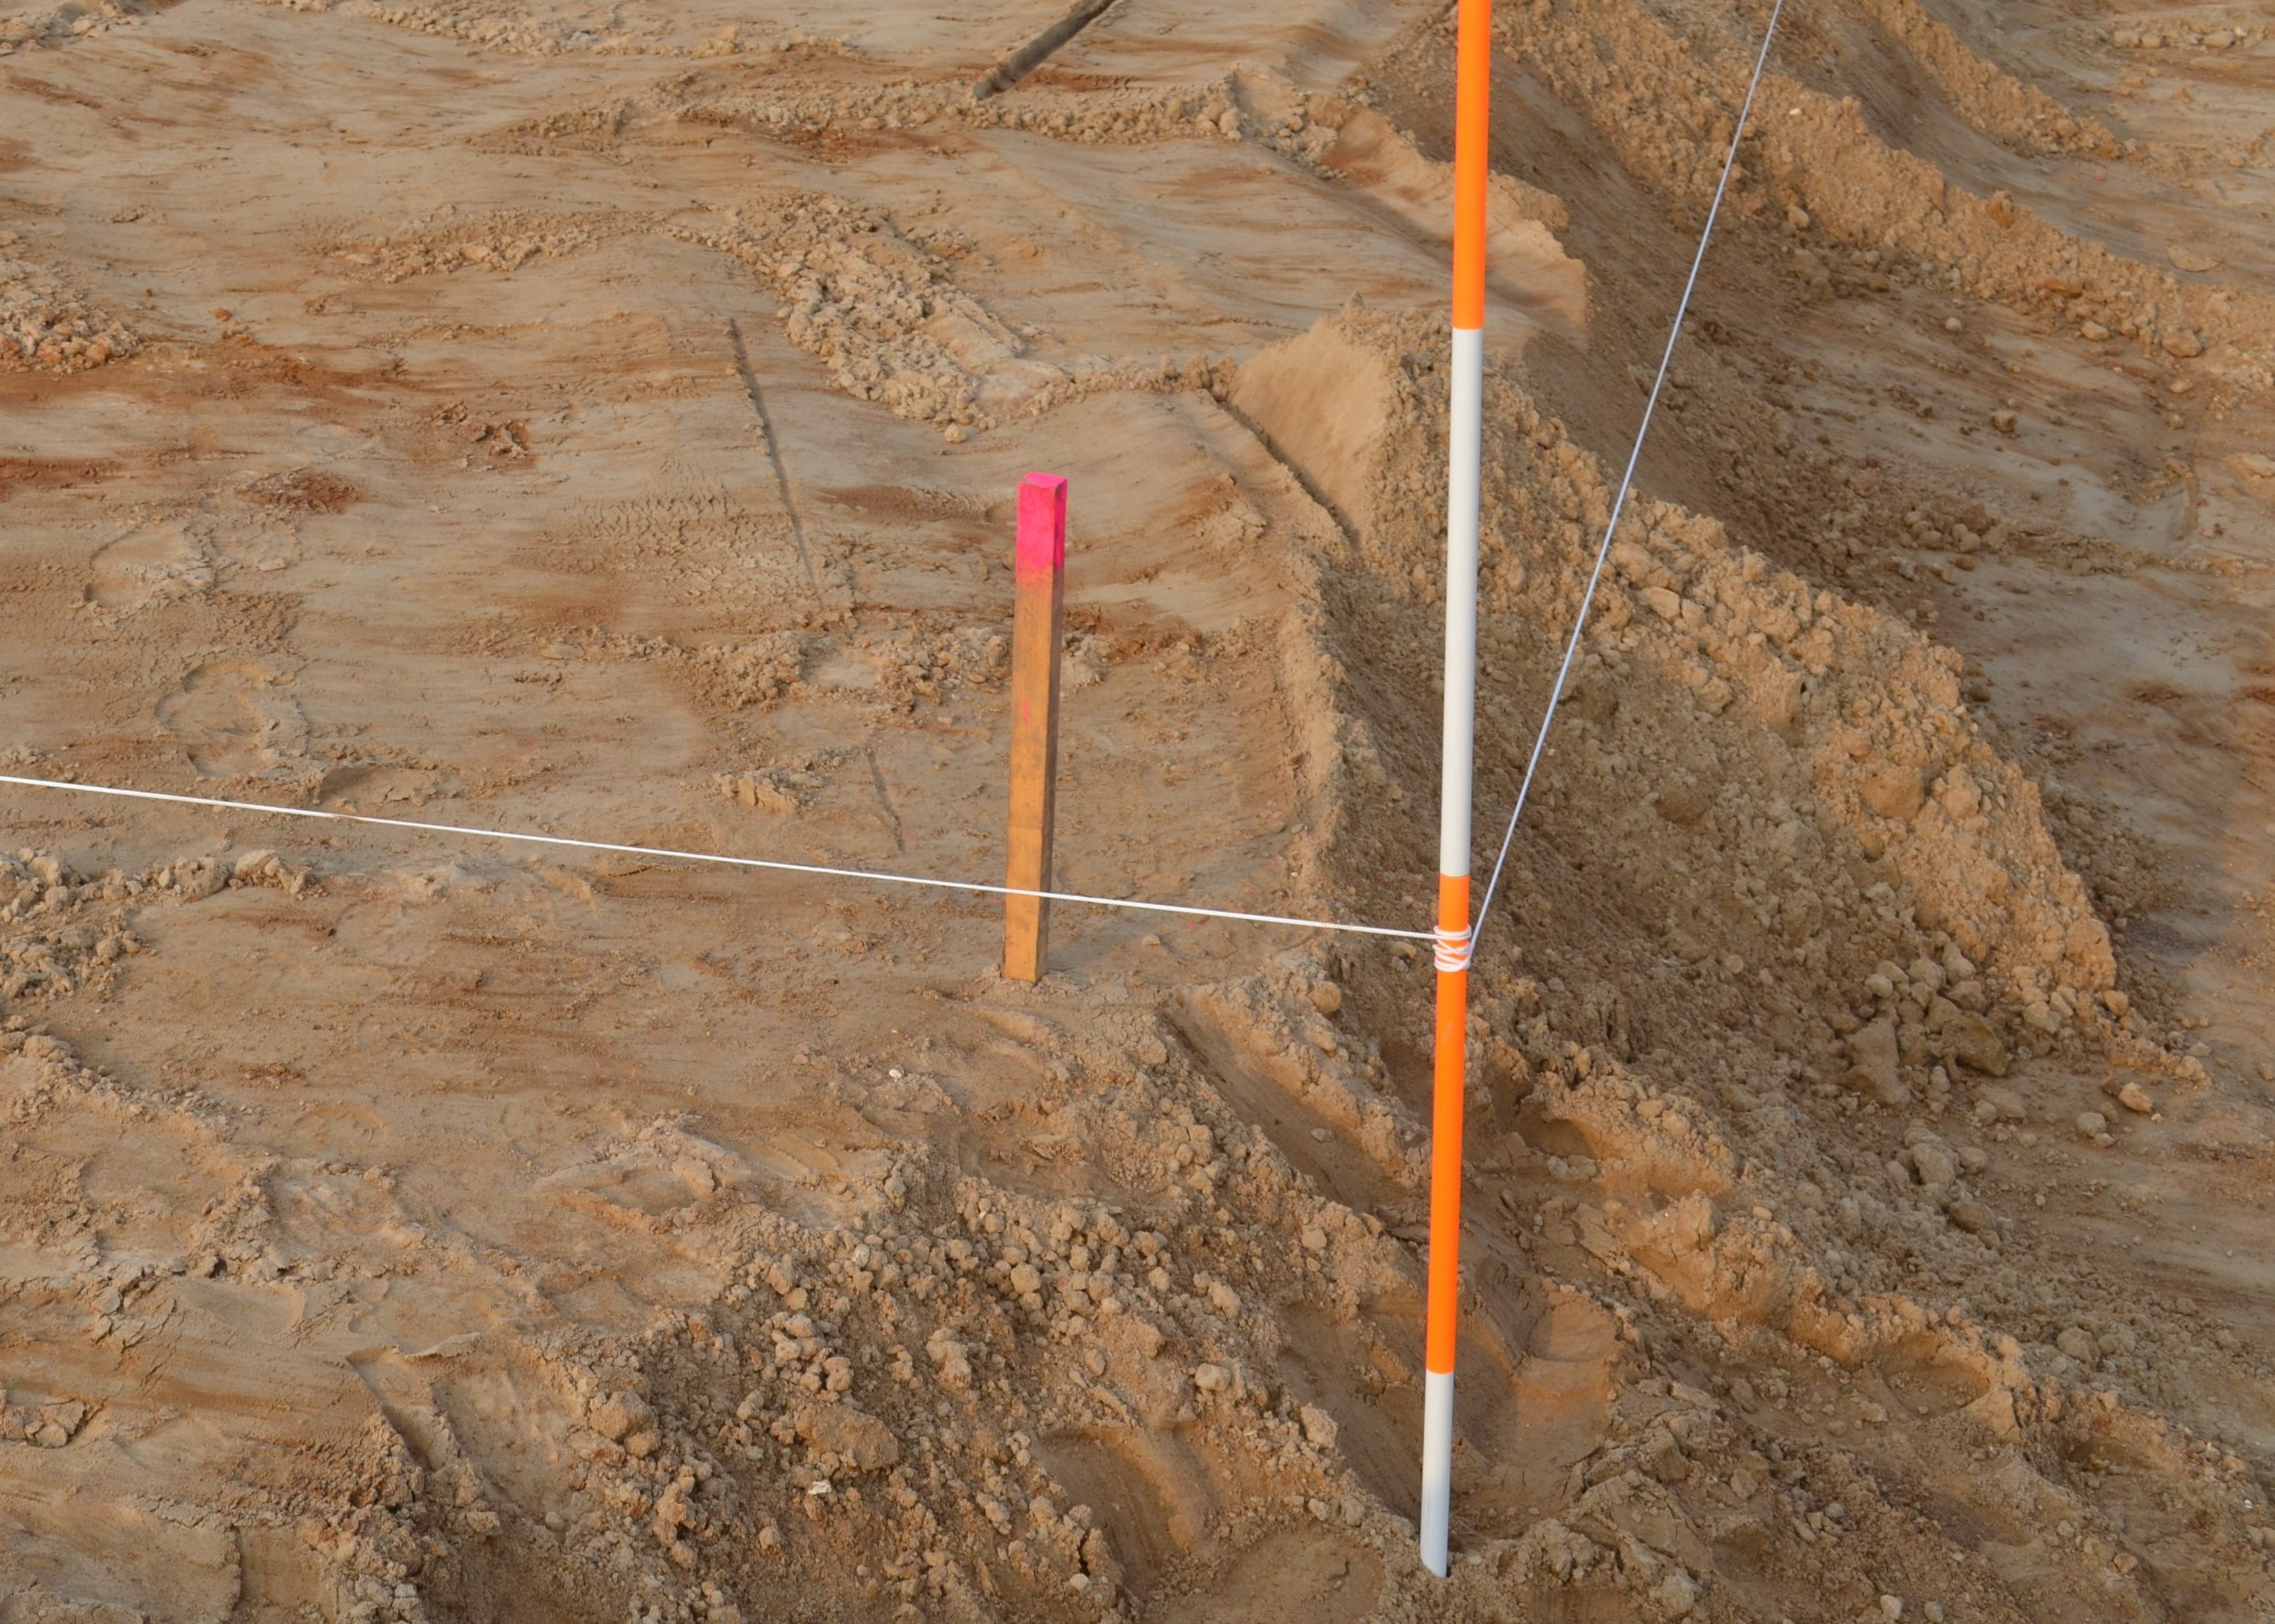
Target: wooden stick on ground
[(1035, 635)]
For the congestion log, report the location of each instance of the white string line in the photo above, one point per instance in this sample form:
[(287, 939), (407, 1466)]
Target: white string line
[(709, 856), (1626, 478)]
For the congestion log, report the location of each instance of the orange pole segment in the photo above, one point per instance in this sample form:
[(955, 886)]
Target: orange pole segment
[(1449, 1101), (1472, 83)]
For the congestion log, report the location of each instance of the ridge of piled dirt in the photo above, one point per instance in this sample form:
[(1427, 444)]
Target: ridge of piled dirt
[(1666, 102)]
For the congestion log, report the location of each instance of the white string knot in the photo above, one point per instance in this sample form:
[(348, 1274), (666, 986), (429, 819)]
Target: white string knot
[(1453, 949)]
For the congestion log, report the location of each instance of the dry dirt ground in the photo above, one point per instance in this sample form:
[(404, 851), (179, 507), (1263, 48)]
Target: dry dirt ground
[(604, 419)]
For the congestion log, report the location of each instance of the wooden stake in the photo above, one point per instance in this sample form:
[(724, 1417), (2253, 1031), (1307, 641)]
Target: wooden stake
[(1036, 628)]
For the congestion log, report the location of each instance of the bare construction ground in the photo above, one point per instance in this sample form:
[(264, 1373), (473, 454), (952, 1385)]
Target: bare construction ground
[(604, 419)]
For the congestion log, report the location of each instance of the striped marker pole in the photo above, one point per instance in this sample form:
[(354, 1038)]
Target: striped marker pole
[(1473, 79), (1036, 622)]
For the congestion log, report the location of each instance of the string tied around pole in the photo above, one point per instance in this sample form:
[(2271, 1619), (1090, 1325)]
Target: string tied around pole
[(1453, 948)]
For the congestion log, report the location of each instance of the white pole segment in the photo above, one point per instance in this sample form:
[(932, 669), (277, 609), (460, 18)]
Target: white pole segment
[(1464, 452), (1437, 1467)]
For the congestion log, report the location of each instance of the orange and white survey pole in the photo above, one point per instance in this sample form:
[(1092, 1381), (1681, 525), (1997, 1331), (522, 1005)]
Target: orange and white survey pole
[(1465, 437)]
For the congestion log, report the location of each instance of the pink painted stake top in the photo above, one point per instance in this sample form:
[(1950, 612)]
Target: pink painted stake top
[(1042, 524)]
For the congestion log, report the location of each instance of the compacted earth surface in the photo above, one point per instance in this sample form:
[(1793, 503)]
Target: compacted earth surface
[(603, 419)]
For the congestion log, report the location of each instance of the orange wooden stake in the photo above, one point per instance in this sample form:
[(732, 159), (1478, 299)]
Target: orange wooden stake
[(1036, 629)]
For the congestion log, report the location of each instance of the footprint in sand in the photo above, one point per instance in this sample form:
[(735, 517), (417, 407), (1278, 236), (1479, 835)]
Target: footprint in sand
[(234, 721), (154, 564)]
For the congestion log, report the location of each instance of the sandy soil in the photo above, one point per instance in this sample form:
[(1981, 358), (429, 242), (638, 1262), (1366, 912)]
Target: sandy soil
[(605, 419)]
